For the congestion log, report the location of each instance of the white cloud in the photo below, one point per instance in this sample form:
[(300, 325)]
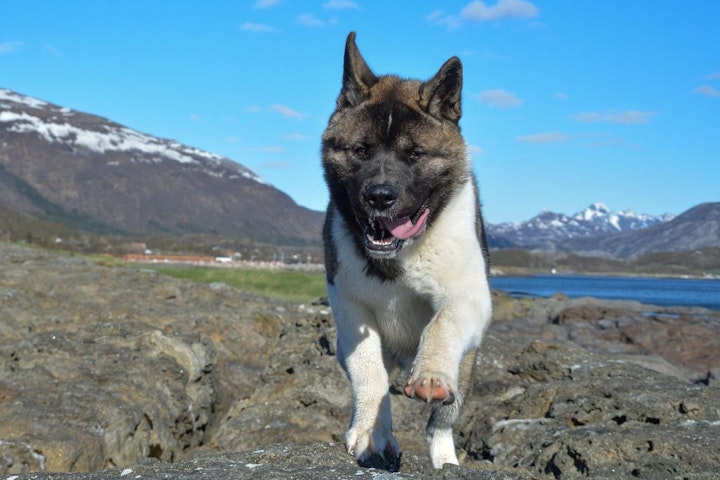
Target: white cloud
[(276, 165), (10, 47), (253, 109), (287, 111), (310, 20), (270, 149), (547, 137), (479, 11), (500, 98), (438, 17), (612, 116), (713, 76), (434, 16), (265, 3), (475, 150), (195, 117), (297, 137), (707, 91), (562, 96), (257, 28), (341, 5), (600, 140), (52, 50)]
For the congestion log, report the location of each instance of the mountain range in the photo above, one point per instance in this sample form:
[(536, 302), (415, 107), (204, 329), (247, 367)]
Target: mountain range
[(548, 230), (696, 228), (86, 173), (95, 175), (600, 231)]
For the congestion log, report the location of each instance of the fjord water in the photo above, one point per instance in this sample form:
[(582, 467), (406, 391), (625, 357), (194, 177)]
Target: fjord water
[(652, 291)]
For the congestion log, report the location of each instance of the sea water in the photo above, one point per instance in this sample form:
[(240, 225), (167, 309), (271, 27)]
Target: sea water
[(653, 291)]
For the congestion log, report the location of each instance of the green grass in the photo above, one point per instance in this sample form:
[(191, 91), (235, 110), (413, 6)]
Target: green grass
[(289, 285)]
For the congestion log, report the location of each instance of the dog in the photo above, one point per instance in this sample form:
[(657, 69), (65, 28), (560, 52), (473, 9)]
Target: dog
[(405, 251)]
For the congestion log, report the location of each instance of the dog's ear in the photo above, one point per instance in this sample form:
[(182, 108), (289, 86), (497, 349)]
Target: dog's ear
[(357, 76), (440, 96)]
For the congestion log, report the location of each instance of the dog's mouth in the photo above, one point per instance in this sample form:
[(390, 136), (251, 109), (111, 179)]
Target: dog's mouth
[(385, 236)]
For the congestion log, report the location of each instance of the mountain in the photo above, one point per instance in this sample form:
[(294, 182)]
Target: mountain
[(696, 228), (550, 230), (95, 175)]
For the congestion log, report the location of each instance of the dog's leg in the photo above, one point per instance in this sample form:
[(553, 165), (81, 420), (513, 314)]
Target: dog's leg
[(435, 371), (439, 433), (370, 429), (442, 372), (360, 354)]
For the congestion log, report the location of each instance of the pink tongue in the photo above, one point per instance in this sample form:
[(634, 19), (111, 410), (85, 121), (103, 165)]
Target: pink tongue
[(403, 228)]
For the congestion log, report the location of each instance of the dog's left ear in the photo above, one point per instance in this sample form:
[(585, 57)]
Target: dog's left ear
[(440, 96)]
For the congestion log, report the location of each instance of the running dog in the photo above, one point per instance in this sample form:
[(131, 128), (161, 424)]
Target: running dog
[(405, 250)]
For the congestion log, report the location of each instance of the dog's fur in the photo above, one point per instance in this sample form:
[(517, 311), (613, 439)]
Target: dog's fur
[(405, 250)]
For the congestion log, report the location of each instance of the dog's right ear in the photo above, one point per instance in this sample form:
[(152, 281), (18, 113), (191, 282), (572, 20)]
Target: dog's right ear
[(357, 76)]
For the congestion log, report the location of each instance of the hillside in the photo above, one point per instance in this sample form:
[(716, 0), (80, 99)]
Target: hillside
[(66, 171), (94, 175)]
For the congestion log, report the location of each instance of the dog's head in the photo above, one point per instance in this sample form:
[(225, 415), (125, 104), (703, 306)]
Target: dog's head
[(392, 152)]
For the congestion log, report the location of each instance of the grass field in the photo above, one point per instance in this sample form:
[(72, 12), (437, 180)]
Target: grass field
[(289, 285)]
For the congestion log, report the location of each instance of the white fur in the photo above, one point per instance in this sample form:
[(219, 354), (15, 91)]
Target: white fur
[(442, 448), (432, 315)]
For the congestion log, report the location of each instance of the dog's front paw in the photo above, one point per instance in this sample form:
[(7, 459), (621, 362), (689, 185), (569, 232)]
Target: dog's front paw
[(430, 387), (365, 443)]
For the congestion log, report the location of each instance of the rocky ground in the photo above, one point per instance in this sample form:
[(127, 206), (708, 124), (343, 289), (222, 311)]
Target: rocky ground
[(122, 372)]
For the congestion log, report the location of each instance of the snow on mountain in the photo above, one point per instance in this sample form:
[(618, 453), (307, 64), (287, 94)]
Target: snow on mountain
[(594, 211), (548, 228), (61, 125)]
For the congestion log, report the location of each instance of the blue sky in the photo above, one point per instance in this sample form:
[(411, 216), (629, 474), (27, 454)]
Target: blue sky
[(565, 102)]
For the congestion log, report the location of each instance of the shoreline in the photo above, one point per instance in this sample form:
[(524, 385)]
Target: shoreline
[(499, 271)]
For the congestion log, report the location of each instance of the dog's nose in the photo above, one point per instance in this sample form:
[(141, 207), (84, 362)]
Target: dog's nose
[(380, 197)]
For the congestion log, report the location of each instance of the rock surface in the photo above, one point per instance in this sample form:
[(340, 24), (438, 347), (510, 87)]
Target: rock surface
[(287, 462), (104, 369)]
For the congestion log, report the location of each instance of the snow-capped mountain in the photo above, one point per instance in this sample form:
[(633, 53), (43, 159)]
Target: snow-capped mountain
[(548, 229), (87, 171), (61, 125)]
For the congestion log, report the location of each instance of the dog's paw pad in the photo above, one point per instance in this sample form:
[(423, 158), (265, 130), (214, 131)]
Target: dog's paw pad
[(430, 387)]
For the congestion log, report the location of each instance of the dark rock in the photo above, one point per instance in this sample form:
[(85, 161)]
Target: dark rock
[(570, 414), (105, 395), (683, 342), (105, 367)]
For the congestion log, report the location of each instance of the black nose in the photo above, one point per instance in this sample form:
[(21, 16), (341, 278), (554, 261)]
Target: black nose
[(380, 197)]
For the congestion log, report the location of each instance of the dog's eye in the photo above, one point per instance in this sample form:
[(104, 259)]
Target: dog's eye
[(360, 151), (415, 155)]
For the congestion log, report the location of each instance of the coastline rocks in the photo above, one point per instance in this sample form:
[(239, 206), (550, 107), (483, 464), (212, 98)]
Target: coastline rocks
[(112, 368), (679, 341)]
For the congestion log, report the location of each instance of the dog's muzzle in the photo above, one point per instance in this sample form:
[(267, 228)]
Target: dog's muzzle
[(385, 236)]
